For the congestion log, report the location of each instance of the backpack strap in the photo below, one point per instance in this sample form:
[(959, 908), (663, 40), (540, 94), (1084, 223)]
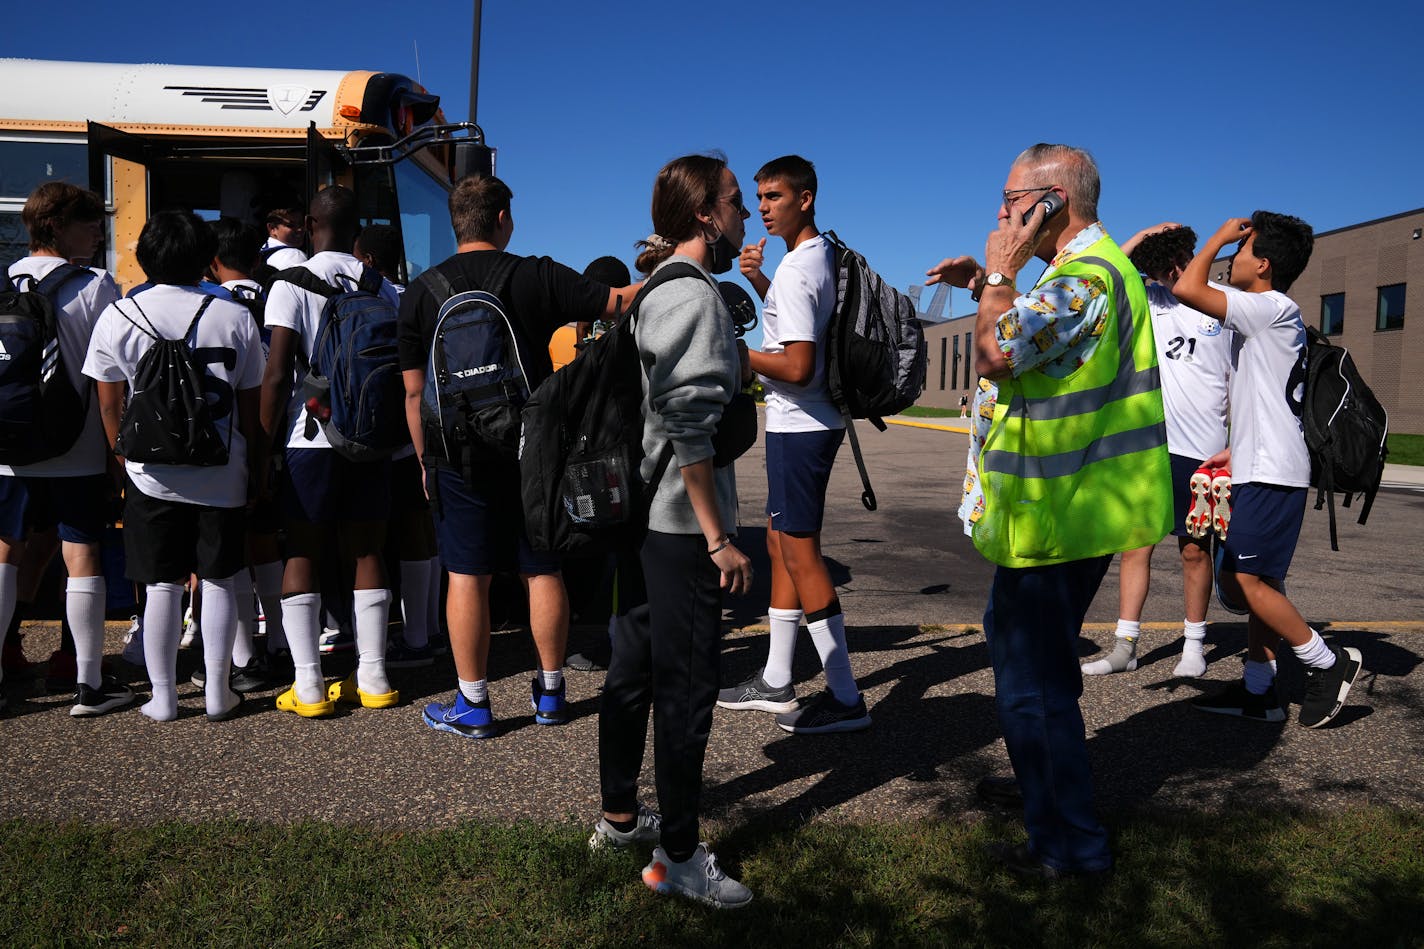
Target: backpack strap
[(152, 331), (663, 275), (371, 281), (202, 307), (304, 278), (438, 285), (59, 276)]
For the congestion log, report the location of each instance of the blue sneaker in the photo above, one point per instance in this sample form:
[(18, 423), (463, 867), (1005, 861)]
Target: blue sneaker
[(460, 717), (549, 707)]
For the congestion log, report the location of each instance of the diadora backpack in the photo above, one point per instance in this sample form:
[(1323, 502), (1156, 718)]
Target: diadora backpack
[(1345, 428), (475, 380), (352, 386), (876, 356), (41, 413), (168, 420), (583, 441)]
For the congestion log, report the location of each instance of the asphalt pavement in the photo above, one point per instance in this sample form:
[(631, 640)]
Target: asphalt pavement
[(913, 589)]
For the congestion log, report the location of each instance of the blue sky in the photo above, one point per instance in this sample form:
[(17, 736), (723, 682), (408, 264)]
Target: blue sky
[(911, 111)]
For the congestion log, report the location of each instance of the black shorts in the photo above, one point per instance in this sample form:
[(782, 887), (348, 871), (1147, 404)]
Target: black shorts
[(164, 541), (407, 487)]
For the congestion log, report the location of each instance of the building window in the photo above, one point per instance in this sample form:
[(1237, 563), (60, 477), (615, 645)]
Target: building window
[(943, 348), (1332, 314), (1391, 307), (954, 370), (968, 356)]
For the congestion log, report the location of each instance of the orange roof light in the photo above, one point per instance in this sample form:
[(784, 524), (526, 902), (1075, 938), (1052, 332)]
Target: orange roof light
[(352, 112)]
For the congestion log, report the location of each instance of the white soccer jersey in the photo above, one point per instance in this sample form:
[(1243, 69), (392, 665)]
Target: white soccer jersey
[(1194, 356), (798, 308), (1267, 389)]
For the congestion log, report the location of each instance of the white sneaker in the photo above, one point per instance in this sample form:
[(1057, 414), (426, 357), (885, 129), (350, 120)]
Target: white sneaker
[(190, 629), (133, 642), (647, 831), (699, 877)]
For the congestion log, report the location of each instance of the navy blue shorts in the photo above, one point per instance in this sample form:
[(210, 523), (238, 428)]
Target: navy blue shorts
[(76, 505), (321, 487), (1183, 468), (407, 487), (480, 530), (798, 467), (1265, 525)]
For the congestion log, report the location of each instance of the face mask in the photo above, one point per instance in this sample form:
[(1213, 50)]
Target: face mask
[(724, 253)]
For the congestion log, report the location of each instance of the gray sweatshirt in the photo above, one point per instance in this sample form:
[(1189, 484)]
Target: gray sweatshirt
[(690, 371)]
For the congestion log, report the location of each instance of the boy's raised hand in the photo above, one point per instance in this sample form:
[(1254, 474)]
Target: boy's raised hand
[(752, 257), (1235, 229)]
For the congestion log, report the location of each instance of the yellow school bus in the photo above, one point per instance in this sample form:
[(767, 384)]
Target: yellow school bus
[(219, 140)]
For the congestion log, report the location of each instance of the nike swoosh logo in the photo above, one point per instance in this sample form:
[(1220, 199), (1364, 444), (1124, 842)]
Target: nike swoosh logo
[(1246, 556), (775, 514)]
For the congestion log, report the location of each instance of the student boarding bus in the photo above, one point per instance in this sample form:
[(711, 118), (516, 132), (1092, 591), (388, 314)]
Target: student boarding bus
[(222, 141)]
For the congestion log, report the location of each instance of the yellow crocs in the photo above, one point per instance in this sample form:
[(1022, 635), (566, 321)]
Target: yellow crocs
[(347, 691), (288, 702)]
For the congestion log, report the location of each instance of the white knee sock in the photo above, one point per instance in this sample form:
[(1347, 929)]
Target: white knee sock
[(84, 607), (371, 610), (432, 601), (246, 626), (415, 601), (301, 616), (269, 591), (784, 625), (162, 626), (829, 636), (9, 593), (1315, 653), (1123, 657), (219, 631), (1192, 664)]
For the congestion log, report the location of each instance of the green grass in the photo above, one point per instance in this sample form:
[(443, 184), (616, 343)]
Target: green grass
[(1183, 879), (1405, 449), (930, 411)]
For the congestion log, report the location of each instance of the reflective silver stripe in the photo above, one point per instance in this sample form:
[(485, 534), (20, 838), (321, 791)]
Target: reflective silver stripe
[(1068, 463)]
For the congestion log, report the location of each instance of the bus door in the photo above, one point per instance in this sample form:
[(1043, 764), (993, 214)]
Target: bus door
[(119, 163), (325, 165)]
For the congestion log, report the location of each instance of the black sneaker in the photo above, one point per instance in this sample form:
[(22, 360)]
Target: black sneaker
[(110, 695), (1236, 700), (754, 693), (1325, 689), (822, 714)]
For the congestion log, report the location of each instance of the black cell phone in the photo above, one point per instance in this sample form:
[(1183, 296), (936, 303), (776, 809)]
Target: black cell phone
[(1052, 203)]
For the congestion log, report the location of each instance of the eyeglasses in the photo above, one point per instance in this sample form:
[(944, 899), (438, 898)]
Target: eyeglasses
[(735, 200), (1012, 195)]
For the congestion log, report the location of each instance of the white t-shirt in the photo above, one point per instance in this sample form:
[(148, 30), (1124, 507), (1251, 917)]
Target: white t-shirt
[(229, 353), (79, 304), (300, 310), (1194, 355), (284, 256), (798, 308), (1267, 389)]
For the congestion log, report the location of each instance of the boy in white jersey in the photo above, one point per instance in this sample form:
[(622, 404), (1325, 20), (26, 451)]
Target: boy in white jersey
[(333, 506), (1194, 356), (70, 490), (804, 431), (1270, 467), (182, 518)]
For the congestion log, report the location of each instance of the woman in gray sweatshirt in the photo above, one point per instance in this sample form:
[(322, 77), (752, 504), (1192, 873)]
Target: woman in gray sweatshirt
[(667, 649)]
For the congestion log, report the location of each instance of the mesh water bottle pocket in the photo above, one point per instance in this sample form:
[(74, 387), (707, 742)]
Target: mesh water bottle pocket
[(595, 491)]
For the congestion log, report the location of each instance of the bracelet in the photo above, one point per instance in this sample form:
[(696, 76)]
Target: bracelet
[(726, 542)]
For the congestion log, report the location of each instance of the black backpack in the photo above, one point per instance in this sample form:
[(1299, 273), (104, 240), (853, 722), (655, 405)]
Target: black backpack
[(253, 300), (41, 413), (876, 355), (475, 380), (1345, 428), (264, 273), (583, 442)]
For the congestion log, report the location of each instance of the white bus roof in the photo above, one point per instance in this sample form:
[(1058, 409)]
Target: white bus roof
[(47, 92)]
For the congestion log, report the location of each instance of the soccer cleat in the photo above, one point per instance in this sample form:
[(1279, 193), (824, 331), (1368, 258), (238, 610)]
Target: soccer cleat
[(549, 707), (349, 692), (460, 717), (1220, 501), (1236, 700), (822, 715), (1199, 514), (755, 694), (190, 630), (1325, 689), (699, 877), (401, 656), (647, 831), (248, 678), (133, 643), (108, 697), (288, 702)]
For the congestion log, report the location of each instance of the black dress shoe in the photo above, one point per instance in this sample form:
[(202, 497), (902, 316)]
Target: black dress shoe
[(1020, 861), (1001, 792)]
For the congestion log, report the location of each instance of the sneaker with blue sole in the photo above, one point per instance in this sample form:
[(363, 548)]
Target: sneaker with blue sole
[(549, 707), (461, 717)]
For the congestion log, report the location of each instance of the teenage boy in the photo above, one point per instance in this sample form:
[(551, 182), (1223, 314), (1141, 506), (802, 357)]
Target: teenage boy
[(183, 519), (71, 491), (286, 232), (804, 431), (1270, 467), (1194, 359), (479, 526), (332, 506)]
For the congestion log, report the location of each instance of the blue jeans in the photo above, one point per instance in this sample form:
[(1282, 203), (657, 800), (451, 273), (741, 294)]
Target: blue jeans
[(1032, 624)]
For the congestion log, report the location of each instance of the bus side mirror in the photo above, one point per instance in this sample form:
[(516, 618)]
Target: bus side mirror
[(471, 158)]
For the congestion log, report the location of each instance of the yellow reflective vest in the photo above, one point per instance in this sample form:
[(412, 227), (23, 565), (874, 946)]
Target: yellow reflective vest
[(1077, 467)]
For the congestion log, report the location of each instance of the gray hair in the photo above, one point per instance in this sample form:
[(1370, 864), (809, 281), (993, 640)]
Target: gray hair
[(1072, 169)]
